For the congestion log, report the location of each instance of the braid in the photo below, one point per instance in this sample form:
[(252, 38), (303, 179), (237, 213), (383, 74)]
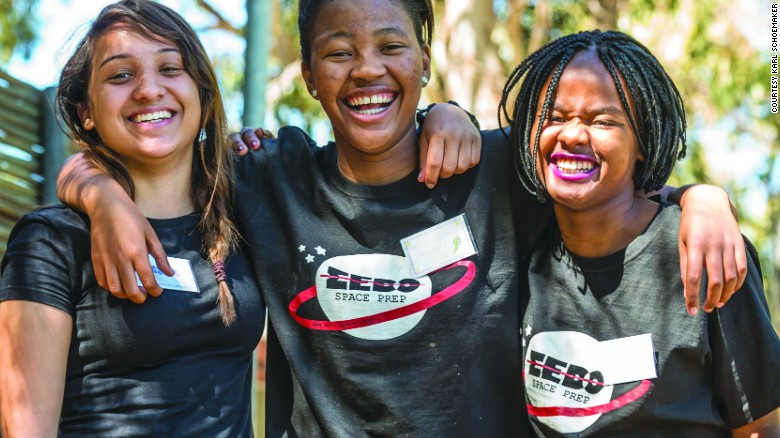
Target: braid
[(213, 195), (657, 117)]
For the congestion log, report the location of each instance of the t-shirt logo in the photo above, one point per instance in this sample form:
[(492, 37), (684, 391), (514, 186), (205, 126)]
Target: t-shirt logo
[(570, 377), (373, 296)]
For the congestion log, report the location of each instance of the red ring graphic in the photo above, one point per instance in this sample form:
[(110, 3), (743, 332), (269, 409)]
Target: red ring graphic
[(369, 320), (566, 411)]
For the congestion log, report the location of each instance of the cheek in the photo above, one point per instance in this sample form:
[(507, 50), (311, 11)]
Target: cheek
[(412, 69)]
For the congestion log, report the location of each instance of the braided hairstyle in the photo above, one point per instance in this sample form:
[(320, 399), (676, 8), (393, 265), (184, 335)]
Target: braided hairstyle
[(420, 11), (212, 161), (657, 121)]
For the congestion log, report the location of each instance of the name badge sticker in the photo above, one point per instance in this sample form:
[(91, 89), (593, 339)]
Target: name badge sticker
[(183, 279), (628, 359), (439, 246)]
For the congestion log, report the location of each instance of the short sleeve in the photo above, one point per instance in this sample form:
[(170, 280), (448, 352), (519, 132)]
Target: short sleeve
[(45, 261), (745, 352)]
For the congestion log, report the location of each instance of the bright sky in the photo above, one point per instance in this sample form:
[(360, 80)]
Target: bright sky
[(63, 22)]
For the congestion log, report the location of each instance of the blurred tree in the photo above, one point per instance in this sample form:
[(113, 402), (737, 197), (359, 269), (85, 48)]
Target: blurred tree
[(18, 27)]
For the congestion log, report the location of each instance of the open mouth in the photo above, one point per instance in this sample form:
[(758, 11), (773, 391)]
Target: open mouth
[(573, 167), (369, 105), (155, 117)]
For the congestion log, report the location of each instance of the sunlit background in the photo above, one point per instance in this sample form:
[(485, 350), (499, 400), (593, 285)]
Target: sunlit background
[(717, 51)]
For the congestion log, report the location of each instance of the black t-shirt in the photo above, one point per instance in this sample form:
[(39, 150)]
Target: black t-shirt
[(331, 268), (715, 371), (167, 367)]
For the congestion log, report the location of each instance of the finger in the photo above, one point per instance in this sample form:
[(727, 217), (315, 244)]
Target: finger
[(250, 138), (449, 163), (433, 161), (129, 283), (263, 134), (157, 252), (740, 257), (690, 280), (729, 276), (476, 152), (102, 280), (100, 273), (464, 160), (715, 281), (146, 275), (239, 146), (114, 286), (423, 142)]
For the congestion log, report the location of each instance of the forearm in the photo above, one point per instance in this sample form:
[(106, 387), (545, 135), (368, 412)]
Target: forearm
[(34, 342), (81, 185), (678, 195)]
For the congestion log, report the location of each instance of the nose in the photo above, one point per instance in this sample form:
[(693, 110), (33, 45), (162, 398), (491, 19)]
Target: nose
[(573, 133), (148, 88), (368, 68)]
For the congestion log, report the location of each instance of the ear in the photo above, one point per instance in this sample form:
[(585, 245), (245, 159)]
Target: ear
[(308, 78), (426, 59), (86, 118)]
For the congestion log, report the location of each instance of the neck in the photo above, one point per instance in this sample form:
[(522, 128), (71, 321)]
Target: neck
[(605, 229), (383, 167), (164, 195)]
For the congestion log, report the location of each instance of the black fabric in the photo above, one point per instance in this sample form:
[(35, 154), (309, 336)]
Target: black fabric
[(715, 371), (451, 370), (167, 367)]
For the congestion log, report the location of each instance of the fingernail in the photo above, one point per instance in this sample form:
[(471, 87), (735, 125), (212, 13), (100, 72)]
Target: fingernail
[(419, 176), (241, 148), (719, 305), (255, 143), (693, 310), (429, 185)]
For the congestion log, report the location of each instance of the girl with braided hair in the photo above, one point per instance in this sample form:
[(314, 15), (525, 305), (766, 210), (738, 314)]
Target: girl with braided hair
[(608, 349)]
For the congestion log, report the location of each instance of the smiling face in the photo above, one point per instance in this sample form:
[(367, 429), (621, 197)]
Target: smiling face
[(587, 149), (142, 102), (367, 66)]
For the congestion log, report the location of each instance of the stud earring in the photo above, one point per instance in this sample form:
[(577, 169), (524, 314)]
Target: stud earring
[(202, 135), (425, 80), (314, 94)]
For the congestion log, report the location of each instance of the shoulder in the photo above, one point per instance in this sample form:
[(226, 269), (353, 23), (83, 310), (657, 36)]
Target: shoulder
[(56, 218), (291, 143), (495, 140)]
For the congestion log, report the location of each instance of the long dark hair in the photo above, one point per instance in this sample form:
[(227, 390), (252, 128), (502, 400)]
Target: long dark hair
[(212, 163)]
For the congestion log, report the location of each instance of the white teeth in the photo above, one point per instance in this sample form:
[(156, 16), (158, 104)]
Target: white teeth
[(368, 112), (154, 117), (366, 100), (574, 165)]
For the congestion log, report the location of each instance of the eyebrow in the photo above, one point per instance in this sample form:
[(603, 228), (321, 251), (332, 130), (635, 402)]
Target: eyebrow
[(128, 56), (609, 109), (377, 33)]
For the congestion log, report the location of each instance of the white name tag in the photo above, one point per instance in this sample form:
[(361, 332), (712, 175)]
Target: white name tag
[(439, 246), (628, 359), (183, 279)]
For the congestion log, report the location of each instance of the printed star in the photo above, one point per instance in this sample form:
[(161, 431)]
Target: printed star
[(309, 258), (320, 250), (528, 330), (301, 248)]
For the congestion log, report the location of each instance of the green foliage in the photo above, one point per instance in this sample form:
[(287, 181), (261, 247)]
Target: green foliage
[(18, 27)]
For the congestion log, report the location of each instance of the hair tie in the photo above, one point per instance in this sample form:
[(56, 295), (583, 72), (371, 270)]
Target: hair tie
[(219, 271)]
